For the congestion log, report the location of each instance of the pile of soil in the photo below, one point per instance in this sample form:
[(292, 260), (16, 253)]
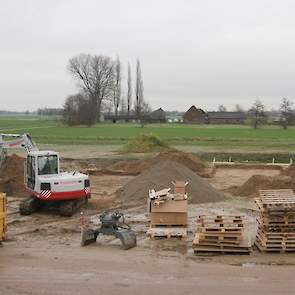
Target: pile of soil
[(160, 176), (136, 167), (290, 171), (12, 177), (261, 182)]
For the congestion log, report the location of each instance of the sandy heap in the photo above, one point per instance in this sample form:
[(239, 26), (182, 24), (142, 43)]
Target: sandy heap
[(290, 171), (261, 182), (160, 176), (136, 167), (12, 177)]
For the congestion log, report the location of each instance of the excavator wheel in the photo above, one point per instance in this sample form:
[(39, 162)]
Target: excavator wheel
[(127, 238), (68, 208), (29, 205)]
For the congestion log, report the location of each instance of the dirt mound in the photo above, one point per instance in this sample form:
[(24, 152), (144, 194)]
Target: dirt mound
[(261, 182), (12, 176), (290, 171), (160, 176), (145, 143), (136, 167)]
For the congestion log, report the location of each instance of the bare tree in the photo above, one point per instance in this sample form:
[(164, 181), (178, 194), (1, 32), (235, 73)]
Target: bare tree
[(95, 75), (76, 110), (138, 90), (117, 88), (286, 112), (221, 108), (129, 91), (257, 114)]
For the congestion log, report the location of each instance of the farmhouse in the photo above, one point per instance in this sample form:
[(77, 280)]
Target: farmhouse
[(226, 117), (194, 115), (157, 116)]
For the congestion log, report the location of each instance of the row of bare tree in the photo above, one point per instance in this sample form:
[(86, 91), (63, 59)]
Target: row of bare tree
[(99, 79)]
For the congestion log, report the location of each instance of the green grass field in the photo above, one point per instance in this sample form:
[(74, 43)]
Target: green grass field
[(206, 137)]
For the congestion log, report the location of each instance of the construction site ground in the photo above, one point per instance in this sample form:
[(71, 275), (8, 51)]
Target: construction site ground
[(42, 254)]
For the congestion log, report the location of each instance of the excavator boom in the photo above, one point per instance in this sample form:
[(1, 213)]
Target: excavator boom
[(18, 140)]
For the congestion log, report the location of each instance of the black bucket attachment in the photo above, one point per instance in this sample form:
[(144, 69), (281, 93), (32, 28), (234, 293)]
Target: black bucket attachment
[(88, 236), (127, 238)]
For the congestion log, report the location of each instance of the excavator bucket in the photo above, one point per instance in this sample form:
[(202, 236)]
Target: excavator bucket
[(127, 238), (88, 236)]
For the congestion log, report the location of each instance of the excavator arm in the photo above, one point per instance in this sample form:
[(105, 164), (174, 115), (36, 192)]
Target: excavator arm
[(17, 140)]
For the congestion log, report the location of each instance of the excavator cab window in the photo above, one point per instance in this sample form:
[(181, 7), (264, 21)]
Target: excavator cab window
[(31, 172), (47, 164)]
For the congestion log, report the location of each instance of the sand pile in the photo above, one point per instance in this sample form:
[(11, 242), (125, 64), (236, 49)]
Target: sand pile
[(261, 182), (290, 171), (160, 176), (136, 167), (12, 176)]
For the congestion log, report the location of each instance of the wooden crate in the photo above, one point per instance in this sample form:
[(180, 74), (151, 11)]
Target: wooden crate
[(2, 216), (168, 218)]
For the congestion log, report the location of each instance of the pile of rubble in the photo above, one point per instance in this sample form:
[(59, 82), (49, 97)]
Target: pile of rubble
[(168, 211)]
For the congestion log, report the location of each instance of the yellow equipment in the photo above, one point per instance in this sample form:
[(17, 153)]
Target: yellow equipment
[(2, 216)]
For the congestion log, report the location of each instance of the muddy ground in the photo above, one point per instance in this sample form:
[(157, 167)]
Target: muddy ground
[(42, 254)]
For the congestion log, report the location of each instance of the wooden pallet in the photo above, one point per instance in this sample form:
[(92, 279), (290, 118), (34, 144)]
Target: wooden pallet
[(274, 247), (217, 230), (167, 232), (220, 221), (276, 200), (276, 192), (220, 234), (243, 247), (276, 225), (200, 239)]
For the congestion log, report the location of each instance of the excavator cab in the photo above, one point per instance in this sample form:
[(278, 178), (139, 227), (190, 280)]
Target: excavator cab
[(40, 163)]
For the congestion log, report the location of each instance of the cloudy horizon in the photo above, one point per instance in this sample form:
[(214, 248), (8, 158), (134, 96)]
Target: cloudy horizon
[(204, 53)]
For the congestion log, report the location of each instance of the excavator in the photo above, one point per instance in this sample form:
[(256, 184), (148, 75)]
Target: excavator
[(46, 184)]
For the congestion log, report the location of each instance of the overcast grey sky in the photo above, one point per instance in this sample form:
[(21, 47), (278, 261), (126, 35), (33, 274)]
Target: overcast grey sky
[(202, 52)]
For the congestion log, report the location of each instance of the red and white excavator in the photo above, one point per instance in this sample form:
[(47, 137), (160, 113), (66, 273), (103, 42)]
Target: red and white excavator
[(44, 180)]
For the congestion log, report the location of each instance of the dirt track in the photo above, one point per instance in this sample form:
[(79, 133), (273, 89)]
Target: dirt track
[(43, 255), (106, 270)]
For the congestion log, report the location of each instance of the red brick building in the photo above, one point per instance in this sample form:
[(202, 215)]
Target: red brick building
[(194, 115)]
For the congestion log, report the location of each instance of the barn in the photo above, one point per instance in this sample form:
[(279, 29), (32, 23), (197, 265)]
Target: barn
[(226, 117), (194, 115)]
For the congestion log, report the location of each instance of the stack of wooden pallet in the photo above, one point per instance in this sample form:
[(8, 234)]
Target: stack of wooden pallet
[(276, 223), (220, 234)]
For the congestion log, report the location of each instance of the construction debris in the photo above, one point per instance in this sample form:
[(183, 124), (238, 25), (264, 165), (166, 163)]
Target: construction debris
[(220, 234), (168, 211), (276, 224)]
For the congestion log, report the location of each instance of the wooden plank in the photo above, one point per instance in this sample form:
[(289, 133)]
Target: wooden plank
[(219, 230)]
